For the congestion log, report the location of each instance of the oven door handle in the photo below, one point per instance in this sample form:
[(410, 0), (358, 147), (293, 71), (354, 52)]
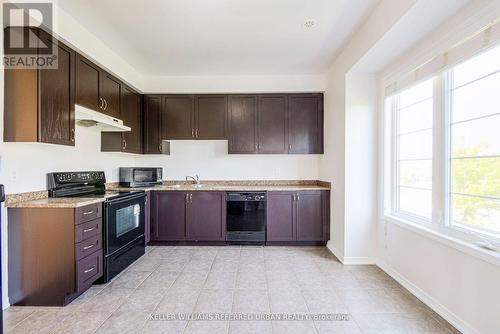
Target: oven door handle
[(127, 199)]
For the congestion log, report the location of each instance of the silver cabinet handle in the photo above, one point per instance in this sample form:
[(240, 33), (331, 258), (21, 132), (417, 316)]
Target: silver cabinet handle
[(89, 270), (298, 197), (88, 247), (289, 147), (159, 147), (105, 104), (190, 198), (187, 198), (192, 132), (124, 144), (196, 133), (256, 147), (88, 213), (101, 103), (294, 197), (259, 147), (88, 229)]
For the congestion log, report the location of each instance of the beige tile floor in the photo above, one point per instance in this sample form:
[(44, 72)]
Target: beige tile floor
[(247, 280)]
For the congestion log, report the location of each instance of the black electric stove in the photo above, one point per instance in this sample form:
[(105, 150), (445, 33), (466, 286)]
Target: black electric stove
[(124, 216)]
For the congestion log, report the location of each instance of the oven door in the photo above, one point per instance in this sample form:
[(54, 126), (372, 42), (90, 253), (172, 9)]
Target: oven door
[(125, 218)]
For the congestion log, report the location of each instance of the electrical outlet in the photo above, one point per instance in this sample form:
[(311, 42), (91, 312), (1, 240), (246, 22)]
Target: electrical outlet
[(13, 176)]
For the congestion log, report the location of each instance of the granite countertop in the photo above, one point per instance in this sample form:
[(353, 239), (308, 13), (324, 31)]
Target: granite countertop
[(231, 186), (67, 202), (40, 199)]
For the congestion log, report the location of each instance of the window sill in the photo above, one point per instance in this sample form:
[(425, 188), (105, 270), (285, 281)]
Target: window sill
[(458, 244)]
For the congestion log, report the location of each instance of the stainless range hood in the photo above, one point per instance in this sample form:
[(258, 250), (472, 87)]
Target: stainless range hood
[(88, 117)]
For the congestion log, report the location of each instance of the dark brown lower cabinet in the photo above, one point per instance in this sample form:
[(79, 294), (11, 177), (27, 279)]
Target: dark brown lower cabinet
[(170, 215), (206, 216), (280, 216), (189, 216), (301, 216), (55, 254)]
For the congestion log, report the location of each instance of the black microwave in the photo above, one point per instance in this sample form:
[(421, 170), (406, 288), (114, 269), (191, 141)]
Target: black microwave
[(133, 177)]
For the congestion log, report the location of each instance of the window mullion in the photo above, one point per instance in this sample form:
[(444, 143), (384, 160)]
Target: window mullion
[(438, 151)]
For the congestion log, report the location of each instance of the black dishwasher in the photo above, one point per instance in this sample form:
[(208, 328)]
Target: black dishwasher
[(246, 218)]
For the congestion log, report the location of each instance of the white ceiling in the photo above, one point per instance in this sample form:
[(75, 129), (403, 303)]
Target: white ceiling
[(222, 37), (422, 19)]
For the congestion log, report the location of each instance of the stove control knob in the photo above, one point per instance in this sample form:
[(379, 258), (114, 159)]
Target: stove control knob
[(257, 198)]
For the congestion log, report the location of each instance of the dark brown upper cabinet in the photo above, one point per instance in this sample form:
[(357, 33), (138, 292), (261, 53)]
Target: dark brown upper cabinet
[(272, 124), (152, 124), (87, 83), (111, 94), (96, 89), (178, 117), (131, 114), (276, 124), (242, 119), (305, 124), (40, 103), (210, 117)]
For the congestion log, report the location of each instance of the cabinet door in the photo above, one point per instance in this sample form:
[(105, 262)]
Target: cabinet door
[(132, 116), (170, 216), (242, 124), (57, 97), (280, 216), (210, 116), (152, 124), (87, 83), (178, 117), (206, 216), (110, 93), (310, 216), (272, 124), (305, 123)]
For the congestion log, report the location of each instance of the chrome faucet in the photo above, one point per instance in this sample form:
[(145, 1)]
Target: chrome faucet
[(195, 179)]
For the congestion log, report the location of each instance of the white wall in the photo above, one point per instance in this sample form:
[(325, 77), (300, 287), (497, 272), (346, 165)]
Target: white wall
[(459, 285), (235, 84), (333, 163), (360, 167)]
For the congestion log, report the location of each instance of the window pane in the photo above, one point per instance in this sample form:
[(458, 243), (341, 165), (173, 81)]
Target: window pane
[(416, 94), (416, 145), (478, 176), (416, 173), (478, 137), (415, 201), (481, 213), (480, 98), (416, 117), (477, 67)]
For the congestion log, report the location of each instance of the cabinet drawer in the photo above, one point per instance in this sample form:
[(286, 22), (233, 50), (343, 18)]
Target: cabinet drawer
[(88, 230), (88, 270), (88, 246), (88, 213)]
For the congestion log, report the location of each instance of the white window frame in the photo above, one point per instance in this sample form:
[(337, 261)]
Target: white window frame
[(441, 167), (394, 170)]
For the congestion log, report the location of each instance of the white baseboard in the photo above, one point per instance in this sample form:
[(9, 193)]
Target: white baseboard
[(348, 259), (440, 309), (338, 254), (358, 260)]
